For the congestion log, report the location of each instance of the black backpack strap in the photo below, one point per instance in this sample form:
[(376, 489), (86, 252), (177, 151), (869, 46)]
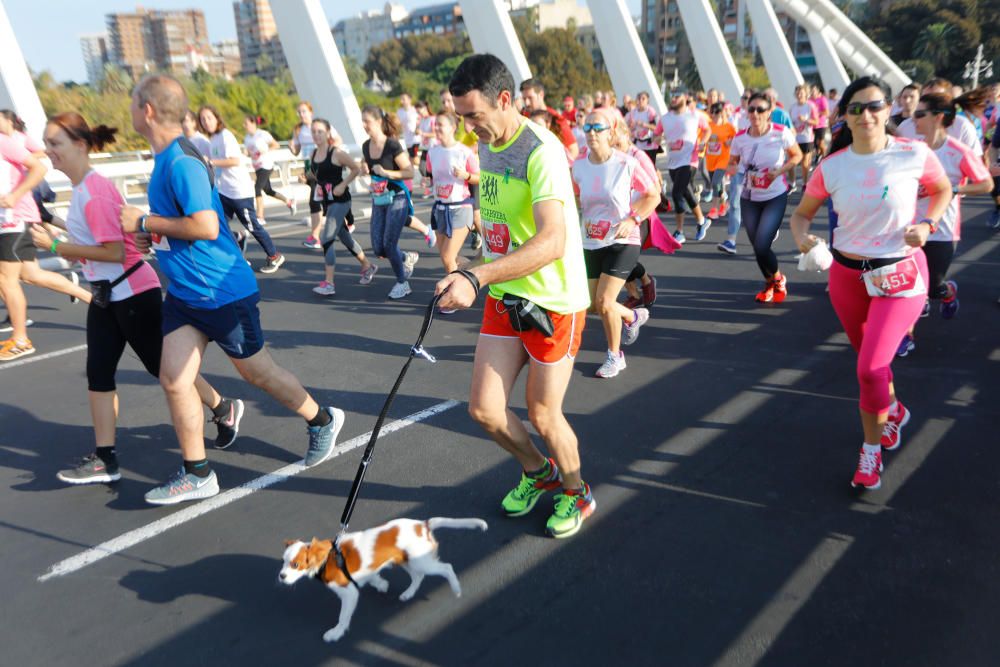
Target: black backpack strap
[(191, 150)]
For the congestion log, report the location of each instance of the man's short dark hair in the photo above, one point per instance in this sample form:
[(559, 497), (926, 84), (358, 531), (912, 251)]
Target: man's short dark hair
[(532, 84), (483, 72)]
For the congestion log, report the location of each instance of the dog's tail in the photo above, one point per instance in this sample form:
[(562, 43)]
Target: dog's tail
[(442, 522)]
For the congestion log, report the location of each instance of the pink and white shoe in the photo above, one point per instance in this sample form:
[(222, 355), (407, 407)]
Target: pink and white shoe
[(869, 472), (893, 428)]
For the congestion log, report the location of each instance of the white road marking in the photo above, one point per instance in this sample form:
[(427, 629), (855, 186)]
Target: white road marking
[(42, 357), (191, 512)]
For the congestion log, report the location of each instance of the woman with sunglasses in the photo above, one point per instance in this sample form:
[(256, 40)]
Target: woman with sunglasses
[(680, 131), (764, 154), (968, 176), (606, 179), (879, 277)]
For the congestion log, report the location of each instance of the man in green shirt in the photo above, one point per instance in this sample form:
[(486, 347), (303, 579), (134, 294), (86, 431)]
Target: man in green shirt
[(532, 263)]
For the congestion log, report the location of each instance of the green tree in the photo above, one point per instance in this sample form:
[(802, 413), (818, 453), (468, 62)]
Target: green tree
[(751, 74), (558, 61), (422, 53), (934, 43)]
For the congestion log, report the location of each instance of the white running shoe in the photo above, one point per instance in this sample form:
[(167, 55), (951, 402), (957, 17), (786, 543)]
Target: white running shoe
[(325, 289), (399, 290), (630, 332), (612, 366)]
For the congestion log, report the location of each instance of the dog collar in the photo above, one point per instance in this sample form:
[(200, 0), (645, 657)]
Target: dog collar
[(342, 563)]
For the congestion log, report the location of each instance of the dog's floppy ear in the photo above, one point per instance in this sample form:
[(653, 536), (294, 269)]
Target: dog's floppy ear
[(319, 551)]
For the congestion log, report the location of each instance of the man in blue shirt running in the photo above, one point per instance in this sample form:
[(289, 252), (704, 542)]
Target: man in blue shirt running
[(212, 294)]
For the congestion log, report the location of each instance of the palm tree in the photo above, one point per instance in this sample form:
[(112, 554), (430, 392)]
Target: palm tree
[(934, 44)]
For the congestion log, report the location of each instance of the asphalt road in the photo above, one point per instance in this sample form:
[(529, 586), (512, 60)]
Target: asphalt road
[(726, 532)]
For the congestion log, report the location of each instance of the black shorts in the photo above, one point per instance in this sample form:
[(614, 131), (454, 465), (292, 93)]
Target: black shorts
[(616, 260), (17, 247), (819, 137), (413, 150), (807, 147)]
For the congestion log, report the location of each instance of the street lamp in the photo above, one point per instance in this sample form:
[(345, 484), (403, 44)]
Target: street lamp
[(976, 67)]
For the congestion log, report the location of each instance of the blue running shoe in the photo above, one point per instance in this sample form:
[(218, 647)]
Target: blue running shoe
[(322, 439), (906, 346), (699, 235), (949, 306), (728, 247)]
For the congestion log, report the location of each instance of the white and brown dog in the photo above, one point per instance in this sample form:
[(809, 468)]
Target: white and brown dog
[(404, 542)]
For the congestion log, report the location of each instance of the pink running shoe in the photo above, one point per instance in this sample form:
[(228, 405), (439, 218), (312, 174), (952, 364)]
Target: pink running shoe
[(893, 427)]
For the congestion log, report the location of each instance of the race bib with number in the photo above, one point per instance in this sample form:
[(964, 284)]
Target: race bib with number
[(443, 192), (597, 229), (901, 279), (714, 148), (676, 145), (497, 237), (758, 179), (378, 187)]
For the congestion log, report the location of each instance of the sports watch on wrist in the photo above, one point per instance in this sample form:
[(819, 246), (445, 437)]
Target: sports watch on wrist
[(930, 223)]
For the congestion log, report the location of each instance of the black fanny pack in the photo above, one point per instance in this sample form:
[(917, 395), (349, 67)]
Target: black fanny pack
[(100, 290), (526, 315)]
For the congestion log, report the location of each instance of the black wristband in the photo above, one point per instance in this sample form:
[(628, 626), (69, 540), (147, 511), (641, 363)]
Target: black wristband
[(471, 277)]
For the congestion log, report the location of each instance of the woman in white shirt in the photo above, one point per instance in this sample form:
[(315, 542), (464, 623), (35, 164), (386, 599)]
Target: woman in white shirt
[(605, 179), (878, 280), (236, 191), (259, 144), (765, 153), (302, 144)]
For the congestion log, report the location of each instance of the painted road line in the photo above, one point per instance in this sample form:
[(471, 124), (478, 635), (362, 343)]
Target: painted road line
[(151, 530), (42, 357)]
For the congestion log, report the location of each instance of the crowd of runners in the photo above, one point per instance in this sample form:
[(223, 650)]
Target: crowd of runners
[(558, 205)]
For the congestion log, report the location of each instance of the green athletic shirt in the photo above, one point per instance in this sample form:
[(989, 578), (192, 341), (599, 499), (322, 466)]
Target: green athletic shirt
[(530, 168)]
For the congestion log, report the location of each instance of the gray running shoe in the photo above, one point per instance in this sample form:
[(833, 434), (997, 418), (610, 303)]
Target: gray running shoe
[(630, 332), (183, 486), (322, 439), (229, 427), (91, 470)]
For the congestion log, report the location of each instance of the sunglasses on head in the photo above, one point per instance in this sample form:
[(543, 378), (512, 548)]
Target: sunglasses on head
[(758, 109), (858, 108), (595, 127)]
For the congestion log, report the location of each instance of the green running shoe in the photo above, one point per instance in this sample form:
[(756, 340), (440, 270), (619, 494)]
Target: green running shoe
[(523, 497), (572, 507)]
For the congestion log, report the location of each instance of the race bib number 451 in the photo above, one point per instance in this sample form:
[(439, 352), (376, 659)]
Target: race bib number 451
[(900, 279)]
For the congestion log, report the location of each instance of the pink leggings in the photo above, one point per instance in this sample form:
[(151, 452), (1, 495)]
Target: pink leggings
[(875, 326)]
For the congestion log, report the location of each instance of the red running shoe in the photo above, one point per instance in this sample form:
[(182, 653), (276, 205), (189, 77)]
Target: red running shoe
[(780, 289), (868, 475), (893, 427), (649, 293)]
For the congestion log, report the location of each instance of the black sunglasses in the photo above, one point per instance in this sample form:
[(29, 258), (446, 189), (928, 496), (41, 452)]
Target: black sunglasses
[(920, 113), (858, 108), (758, 109)]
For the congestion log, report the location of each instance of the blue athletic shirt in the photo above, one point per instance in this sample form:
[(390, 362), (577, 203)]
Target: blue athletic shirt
[(780, 117), (203, 274)]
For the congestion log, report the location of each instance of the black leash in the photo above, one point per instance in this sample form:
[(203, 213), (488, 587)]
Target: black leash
[(416, 350)]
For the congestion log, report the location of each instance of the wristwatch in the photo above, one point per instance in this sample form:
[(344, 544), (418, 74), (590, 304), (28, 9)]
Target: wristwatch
[(930, 223)]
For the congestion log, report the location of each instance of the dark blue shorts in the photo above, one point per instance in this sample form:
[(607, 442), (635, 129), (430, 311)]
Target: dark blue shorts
[(234, 327)]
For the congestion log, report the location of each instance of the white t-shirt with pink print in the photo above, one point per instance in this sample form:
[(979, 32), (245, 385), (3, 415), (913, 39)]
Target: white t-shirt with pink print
[(761, 156), (875, 195), (93, 220), (680, 137), (448, 188), (606, 197), (961, 164)]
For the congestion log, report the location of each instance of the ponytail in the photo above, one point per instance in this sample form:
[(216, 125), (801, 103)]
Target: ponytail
[(76, 128), (391, 126)]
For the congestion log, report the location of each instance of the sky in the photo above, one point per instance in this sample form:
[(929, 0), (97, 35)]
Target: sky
[(53, 44)]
